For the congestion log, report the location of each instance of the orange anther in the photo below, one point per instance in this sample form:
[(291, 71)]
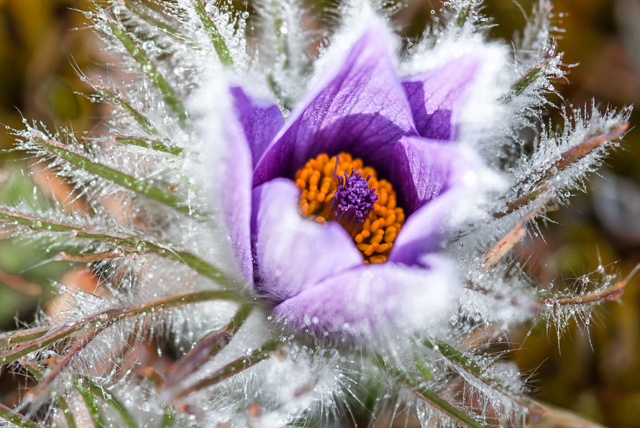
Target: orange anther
[(318, 185), (391, 218), (362, 247)]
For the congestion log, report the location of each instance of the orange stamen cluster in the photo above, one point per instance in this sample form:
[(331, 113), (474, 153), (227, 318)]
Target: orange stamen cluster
[(317, 180)]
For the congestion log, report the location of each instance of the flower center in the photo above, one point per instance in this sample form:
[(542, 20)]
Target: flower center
[(335, 189)]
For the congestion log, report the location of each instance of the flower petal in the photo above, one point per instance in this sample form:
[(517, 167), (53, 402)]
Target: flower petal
[(294, 253), (370, 298), (236, 195), (431, 178), (437, 96), (360, 108), (261, 121)]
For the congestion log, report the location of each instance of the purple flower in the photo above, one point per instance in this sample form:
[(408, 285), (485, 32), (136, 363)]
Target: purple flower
[(314, 274)]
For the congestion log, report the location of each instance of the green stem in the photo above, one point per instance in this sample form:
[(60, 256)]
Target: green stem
[(168, 418), (232, 368), (591, 142), (207, 347), (110, 399), (115, 176), (113, 315), (530, 197), (62, 403), (92, 405), (212, 32), (456, 357), (21, 336), (526, 80), (126, 106), (154, 21), (149, 144), (151, 71), (65, 362), (16, 418), (429, 396), (131, 244)]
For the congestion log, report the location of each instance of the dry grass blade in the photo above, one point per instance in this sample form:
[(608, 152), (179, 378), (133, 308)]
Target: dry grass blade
[(231, 369), (593, 141), (110, 316), (206, 348), (63, 363), (64, 256), (21, 285), (504, 245), (521, 202), (460, 360)]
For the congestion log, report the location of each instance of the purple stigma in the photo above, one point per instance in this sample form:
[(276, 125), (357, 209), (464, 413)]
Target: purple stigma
[(353, 201)]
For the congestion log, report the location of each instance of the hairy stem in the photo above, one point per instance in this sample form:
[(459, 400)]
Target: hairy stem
[(110, 399), (156, 145), (14, 338), (92, 405), (212, 32), (232, 368), (167, 92), (62, 403), (526, 80), (151, 20), (521, 202), (65, 362), (126, 106), (608, 294), (429, 396), (461, 361), (207, 348), (110, 316), (593, 141), (16, 418), (115, 176), (131, 244)]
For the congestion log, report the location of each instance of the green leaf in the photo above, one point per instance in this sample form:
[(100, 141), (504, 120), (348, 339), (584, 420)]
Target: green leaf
[(110, 399), (155, 22), (92, 404), (16, 418), (156, 145), (115, 176), (167, 92), (132, 243), (113, 315), (422, 367), (429, 396), (212, 32), (526, 80), (116, 98)]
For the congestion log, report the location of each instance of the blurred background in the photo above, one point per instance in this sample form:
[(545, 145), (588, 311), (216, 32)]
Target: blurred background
[(593, 370)]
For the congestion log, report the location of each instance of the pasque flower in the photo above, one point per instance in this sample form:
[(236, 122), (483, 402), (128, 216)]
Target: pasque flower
[(373, 159)]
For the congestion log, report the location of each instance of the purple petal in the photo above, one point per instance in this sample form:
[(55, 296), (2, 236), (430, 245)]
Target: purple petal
[(261, 121), (360, 108), (236, 196), (371, 298), (436, 97), (294, 253), (430, 179)]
